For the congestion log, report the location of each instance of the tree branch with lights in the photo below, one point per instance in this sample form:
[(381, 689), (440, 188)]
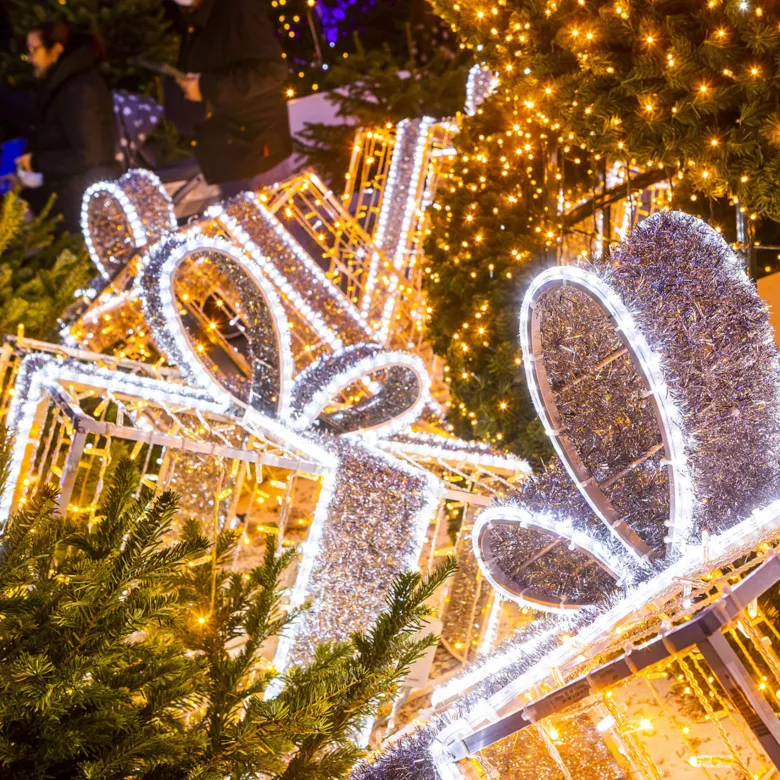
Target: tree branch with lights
[(128, 649)]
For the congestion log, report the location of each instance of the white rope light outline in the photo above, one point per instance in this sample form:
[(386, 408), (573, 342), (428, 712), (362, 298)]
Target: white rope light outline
[(161, 288), (306, 259), (612, 564), (388, 195), (694, 558), (44, 372), (137, 229), (253, 250), (311, 549), (468, 452), (649, 364), (411, 197), (363, 367), (762, 523)]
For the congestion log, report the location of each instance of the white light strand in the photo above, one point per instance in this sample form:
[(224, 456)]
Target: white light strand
[(454, 450), (481, 83), (650, 365), (388, 194), (155, 284), (140, 233), (363, 367), (136, 226), (317, 273), (38, 372), (314, 319), (762, 524), (415, 187), (616, 565)]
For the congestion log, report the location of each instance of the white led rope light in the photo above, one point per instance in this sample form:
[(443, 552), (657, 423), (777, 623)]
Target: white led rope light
[(477, 75), (565, 530), (410, 208), (681, 519), (761, 524), (115, 190), (136, 226), (40, 373), (311, 549), (319, 326), (362, 367), (284, 236), (388, 195), (156, 286), (454, 450), (416, 180)]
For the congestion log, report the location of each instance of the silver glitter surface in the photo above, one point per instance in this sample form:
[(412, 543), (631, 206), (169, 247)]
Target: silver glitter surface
[(377, 518), (250, 369), (297, 268), (541, 566), (700, 315), (121, 217), (399, 390), (603, 406), (401, 184)]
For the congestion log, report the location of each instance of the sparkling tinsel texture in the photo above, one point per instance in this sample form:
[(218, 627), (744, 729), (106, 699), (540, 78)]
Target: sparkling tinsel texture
[(256, 316), (655, 372), (119, 217), (703, 317)]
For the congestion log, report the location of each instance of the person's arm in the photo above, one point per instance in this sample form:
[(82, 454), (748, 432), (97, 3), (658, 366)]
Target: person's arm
[(242, 81), (83, 134)]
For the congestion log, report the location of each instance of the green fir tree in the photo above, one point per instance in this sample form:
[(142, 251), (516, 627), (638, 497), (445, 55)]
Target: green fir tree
[(416, 74), (40, 269), (88, 685), (127, 652)]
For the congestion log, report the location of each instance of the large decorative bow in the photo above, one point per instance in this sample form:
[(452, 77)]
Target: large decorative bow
[(656, 376)]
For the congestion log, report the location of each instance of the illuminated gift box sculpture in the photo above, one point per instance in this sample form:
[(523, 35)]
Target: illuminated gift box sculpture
[(222, 355), (222, 352)]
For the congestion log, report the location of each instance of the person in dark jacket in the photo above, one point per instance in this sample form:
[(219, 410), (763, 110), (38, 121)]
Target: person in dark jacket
[(234, 66), (73, 143)]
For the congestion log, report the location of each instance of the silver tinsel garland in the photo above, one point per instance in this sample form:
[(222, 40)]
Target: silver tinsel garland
[(685, 356), (117, 218)]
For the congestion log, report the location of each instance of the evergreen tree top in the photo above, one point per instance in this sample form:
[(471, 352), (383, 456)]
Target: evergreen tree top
[(126, 652)]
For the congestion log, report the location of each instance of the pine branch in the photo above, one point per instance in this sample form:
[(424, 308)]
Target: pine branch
[(349, 681)]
